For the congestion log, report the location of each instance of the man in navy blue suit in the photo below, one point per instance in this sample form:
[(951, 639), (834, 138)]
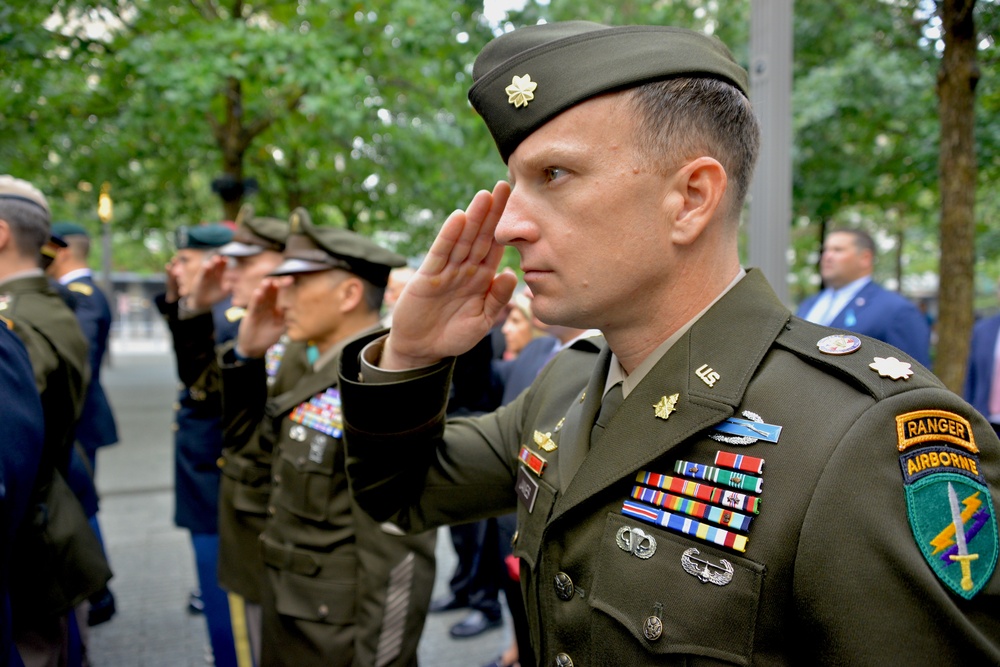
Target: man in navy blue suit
[(96, 427), (852, 300), (982, 381)]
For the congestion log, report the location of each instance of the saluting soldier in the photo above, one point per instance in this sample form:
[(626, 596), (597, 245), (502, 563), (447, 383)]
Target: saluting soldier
[(237, 270), (343, 590), (197, 428), (721, 482), (51, 577)]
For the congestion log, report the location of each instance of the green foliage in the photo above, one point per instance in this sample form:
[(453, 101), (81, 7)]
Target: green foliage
[(361, 107)]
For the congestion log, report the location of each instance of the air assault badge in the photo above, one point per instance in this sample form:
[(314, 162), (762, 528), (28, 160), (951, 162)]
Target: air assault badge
[(949, 507)]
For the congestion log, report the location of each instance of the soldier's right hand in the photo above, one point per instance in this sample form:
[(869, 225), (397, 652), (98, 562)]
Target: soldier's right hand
[(456, 296), (208, 288), (264, 321), (173, 290)]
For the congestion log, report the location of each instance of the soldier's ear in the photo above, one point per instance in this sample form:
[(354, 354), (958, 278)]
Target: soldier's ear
[(699, 188), (5, 234), (352, 292)]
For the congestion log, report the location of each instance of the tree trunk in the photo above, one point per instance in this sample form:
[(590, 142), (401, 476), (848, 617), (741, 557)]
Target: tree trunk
[(956, 87)]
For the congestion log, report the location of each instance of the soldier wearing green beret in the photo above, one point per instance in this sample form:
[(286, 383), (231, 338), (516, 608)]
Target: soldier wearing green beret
[(720, 482), (50, 578), (343, 589), (197, 420)]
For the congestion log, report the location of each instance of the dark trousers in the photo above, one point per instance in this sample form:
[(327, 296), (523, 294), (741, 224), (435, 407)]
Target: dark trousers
[(476, 577)]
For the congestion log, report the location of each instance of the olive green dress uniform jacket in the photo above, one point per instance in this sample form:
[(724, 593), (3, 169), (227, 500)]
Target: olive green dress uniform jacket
[(831, 573), (246, 463), (58, 353), (343, 590), (57, 561)]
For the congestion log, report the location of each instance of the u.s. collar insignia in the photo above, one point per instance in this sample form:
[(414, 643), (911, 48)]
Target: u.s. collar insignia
[(891, 367), (707, 573), (839, 344), (666, 406), (747, 431), (521, 91)]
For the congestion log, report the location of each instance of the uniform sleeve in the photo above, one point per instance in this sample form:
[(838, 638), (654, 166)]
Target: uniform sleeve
[(403, 465), (874, 555), (88, 313), (244, 394)]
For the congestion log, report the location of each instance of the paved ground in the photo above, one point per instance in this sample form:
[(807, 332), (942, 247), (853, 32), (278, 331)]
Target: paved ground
[(152, 559)]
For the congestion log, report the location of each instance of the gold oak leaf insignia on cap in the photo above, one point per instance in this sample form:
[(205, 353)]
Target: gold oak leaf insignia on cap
[(521, 91), (891, 367)]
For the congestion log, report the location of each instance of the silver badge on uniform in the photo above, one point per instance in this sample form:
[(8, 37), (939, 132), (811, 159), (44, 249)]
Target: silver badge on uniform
[(316, 448), (297, 433), (636, 541), (720, 575)]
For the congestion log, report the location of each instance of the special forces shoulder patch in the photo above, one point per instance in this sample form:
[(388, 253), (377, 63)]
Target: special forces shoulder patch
[(949, 507)]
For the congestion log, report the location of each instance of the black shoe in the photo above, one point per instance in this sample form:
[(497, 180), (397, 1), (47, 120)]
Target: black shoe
[(102, 608), (195, 604), (476, 623), (447, 604)]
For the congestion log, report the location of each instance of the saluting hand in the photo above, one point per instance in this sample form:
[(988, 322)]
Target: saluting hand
[(264, 321), (208, 288), (456, 296)]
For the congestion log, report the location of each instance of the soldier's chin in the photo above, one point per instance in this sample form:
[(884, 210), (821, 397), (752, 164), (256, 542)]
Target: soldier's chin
[(295, 334)]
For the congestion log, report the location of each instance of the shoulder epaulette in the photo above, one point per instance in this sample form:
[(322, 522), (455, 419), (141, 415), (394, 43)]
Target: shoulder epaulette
[(82, 288), (7, 323), (875, 367)]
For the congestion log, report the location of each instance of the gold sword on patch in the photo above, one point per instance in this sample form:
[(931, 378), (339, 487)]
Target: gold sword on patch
[(963, 556)]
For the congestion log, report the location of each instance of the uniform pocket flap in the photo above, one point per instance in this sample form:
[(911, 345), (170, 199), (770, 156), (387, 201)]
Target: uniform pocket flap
[(706, 600), (321, 599)]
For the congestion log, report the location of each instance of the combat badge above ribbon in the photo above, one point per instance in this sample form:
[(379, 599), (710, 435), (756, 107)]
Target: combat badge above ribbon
[(949, 507)]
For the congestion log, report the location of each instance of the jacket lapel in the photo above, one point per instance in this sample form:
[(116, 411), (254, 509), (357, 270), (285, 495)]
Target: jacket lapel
[(729, 341)]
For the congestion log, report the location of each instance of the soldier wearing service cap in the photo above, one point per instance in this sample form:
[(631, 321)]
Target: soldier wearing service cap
[(717, 481), (198, 428), (343, 590), (233, 274)]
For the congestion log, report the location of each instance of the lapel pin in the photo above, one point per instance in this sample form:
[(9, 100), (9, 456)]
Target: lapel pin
[(838, 344)]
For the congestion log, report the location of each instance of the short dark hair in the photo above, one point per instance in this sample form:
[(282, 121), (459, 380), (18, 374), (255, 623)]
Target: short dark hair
[(862, 239), (373, 296), (685, 117), (29, 225), (79, 245)]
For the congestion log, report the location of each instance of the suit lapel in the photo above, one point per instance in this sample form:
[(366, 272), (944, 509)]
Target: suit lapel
[(575, 437), (730, 340)]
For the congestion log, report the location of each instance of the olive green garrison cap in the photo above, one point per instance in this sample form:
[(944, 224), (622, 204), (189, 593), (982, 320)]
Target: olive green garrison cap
[(527, 77)]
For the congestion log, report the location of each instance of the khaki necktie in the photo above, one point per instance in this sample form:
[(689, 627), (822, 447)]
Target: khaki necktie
[(609, 406)]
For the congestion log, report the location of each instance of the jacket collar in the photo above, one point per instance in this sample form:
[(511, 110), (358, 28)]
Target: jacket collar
[(708, 369)]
